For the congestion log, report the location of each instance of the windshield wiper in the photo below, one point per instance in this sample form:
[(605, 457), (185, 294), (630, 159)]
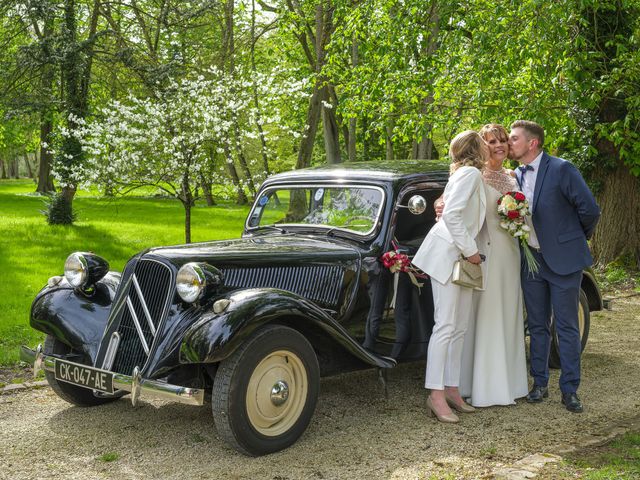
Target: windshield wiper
[(273, 227)]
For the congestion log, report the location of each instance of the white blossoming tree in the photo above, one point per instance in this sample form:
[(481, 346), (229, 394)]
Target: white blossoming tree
[(166, 141)]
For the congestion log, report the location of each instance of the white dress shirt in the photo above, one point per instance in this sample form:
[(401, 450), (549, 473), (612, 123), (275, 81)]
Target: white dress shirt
[(528, 186)]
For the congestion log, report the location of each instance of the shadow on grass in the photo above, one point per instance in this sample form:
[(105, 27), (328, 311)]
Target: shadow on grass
[(31, 255)]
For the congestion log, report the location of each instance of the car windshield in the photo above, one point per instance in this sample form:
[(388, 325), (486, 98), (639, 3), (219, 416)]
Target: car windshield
[(345, 207)]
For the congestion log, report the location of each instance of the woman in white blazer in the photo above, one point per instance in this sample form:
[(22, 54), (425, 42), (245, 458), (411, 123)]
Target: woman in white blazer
[(456, 234)]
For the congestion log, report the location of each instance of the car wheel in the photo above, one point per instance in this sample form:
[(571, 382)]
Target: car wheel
[(265, 393), (82, 397), (584, 320)]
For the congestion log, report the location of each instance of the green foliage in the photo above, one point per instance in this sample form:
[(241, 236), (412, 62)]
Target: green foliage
[(621, 274), (115, 229), (59, 210)]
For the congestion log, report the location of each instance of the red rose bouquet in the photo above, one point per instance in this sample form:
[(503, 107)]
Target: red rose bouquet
[(396, 261), (513, 207)]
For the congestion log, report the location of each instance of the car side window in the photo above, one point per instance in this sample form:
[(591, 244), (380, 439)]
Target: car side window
[(410, 229)]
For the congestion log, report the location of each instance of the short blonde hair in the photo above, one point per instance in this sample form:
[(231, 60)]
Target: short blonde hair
[(496, 130), (467, 149)]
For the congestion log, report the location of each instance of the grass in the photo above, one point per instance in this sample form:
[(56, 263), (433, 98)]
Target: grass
[(109, 457), (32, 251), (616, 460)]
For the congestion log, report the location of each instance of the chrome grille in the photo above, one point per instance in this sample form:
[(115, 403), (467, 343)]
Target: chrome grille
[(148, 297), (321, 284)]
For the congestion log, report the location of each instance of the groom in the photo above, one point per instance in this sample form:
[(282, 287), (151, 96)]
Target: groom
[(564, 215)]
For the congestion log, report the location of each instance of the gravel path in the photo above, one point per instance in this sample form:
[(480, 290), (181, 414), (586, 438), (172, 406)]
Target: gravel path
[(354, 434)]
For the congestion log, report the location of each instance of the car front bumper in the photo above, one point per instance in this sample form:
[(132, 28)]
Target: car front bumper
[(134, 384)]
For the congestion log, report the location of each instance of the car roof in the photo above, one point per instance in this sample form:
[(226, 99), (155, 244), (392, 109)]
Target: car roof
[(394, 171)]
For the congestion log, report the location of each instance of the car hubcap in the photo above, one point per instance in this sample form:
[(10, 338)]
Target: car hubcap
[(279, 393), (276, 393)]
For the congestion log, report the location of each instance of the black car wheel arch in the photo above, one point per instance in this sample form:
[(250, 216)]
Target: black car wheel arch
[(78, 396)]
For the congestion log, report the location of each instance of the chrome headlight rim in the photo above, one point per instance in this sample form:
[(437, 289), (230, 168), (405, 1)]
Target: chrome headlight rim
[(196, 281), (77, 274), (83, 270), (190, 282)]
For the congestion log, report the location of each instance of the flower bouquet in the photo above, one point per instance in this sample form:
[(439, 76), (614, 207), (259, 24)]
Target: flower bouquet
[(396, 262), (513, 207)]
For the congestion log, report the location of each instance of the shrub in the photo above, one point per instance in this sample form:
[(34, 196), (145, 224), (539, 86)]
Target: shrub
[(58, 210)]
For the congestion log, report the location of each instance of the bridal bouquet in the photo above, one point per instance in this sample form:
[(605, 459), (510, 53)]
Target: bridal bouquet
[(513, 207), (400, 262)]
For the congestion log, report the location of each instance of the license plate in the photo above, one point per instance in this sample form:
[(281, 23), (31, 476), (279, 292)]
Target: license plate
[(84, 376)]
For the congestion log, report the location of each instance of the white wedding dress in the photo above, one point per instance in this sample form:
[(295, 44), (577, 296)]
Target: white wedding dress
[(494, 370)]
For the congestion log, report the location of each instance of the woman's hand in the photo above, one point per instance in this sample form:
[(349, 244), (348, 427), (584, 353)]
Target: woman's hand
[(438, 206), (475, 258)]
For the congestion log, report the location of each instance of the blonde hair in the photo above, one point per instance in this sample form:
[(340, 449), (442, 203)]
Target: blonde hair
[(467, 149), (496, 130)]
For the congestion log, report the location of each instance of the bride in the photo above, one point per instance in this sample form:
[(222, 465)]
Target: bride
[(494, 368)]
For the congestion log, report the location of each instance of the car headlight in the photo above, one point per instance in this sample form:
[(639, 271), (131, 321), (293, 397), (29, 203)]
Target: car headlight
[(83, 269), (197, 280)]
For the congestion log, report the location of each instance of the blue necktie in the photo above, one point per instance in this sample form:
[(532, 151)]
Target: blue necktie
[(523, 169)]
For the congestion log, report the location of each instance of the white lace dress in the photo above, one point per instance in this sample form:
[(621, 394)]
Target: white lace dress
[(494, 370)]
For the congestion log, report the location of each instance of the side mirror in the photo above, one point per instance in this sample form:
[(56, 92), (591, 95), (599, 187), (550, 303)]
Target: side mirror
[(417, 204)]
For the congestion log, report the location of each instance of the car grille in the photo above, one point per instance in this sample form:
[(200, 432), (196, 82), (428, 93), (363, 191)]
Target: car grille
[(321, 284), (150, 291)]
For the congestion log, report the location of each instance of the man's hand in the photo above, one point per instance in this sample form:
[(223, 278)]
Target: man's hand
[(475, 258)]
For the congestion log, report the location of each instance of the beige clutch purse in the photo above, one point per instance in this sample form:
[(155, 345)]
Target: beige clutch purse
[(467, 274)]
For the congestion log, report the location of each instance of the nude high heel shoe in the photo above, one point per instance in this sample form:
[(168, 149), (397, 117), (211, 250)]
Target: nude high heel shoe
[(464, 408), (448, 418)]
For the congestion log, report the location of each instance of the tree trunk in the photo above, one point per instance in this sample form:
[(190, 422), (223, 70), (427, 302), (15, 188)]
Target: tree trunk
[(243, 160), (76, 75), (317, 58), (389, 139), (351, 142), (188, 201), (187, 222), (4, 170), (68, 193), (309, 135), (604, 25), (330, 127), (424, 149), (13, 168), (241, 198), (365, 139), (45, 180), (206, 189), (28, 164), (616, 235), (229, 54), (256, 102)]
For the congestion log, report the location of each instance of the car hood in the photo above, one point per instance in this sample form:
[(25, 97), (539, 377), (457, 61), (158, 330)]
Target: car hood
[(278, 248)]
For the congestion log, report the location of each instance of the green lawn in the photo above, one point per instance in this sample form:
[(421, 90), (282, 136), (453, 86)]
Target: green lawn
[(32, 251), (616, 460)]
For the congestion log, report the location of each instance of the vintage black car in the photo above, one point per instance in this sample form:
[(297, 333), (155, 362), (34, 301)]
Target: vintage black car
[(254, 322)]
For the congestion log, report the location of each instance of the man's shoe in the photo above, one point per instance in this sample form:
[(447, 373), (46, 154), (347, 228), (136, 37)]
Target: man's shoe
[(572, 402), (537, 393)]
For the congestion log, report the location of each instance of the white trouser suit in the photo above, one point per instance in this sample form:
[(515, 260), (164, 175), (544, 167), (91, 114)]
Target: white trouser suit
[(455, 234)]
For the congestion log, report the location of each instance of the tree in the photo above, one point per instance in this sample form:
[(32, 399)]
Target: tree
[(604, 90), (165, 140)]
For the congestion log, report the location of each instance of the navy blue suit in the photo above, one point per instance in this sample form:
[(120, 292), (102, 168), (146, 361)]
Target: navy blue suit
[(564, 215)]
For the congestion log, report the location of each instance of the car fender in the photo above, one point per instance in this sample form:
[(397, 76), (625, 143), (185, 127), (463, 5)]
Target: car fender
[(74, 317), (213, 337), (590, 287)]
